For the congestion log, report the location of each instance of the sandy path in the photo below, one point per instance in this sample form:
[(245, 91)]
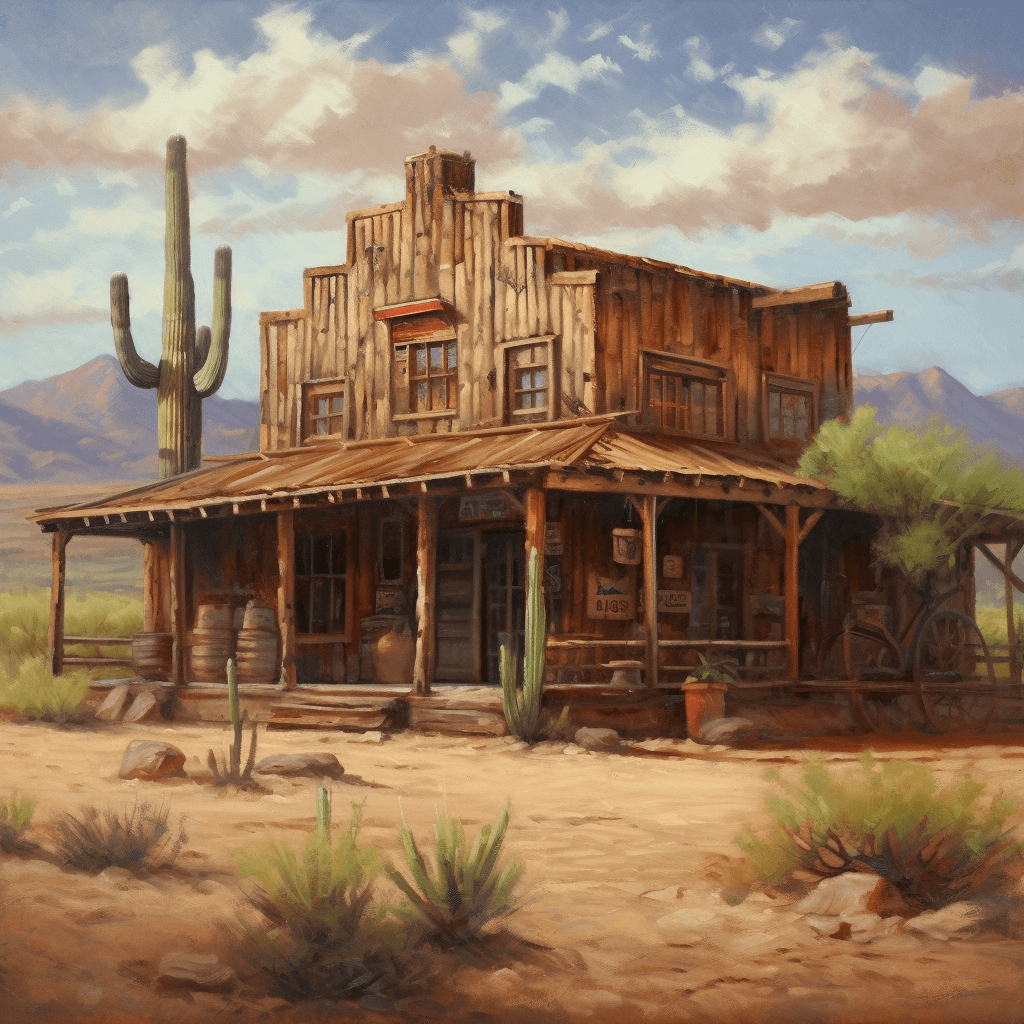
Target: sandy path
[(596, 831)]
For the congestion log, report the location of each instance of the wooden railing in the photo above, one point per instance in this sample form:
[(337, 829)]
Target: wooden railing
[(94, 641)]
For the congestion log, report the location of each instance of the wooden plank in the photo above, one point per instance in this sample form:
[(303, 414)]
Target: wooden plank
[(77, 660), (286, 596), (883, 316), (649, 521), (573, 277), (792, 592), (827, 291), (349, 719), (55, 638), (426, 579), (265, 365), (457, 722), (446, 268), (536, 518), (408, 233), (1012, 550), (179, 600)]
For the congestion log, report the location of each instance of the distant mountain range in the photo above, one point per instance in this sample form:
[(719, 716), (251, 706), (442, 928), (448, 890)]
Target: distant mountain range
[(90, 424)]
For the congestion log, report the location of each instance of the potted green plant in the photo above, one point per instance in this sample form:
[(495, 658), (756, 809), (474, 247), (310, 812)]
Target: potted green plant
[(704, 690)]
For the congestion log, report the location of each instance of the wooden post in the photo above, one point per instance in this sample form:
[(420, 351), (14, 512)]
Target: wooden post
[(156, 595), (536, 524), (286, 596), (178, 603), (1012, 550), (792, 592), (55, 639), (426, 581), (649, 519)]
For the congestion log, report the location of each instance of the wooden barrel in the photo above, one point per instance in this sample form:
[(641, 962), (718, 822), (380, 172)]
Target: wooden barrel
[(257, 656), (213, 616), (259, 618), (152, 655), (211, 649)]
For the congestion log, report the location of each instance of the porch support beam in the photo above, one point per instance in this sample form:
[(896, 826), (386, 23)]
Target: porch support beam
[(649, 520), (426, 583), (178, 603), (792, 593), (286, 596), (1012, 551), (1006, 570), (55, 639)]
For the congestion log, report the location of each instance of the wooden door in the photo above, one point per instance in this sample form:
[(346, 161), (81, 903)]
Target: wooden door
[(505, 573), (458, 606)]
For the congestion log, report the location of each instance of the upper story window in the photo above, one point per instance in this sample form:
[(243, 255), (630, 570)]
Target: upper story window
[(531, 380), (425, 366), (685, 396), (323, 409), (321, 581), (790, 409), (433, 373)]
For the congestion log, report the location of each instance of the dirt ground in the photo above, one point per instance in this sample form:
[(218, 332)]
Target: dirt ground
[(611, 844)]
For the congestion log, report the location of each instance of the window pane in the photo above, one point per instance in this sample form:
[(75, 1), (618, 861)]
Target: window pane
[(540, 378), (321, 407), (338, 611), (437, 395), (321, 554), (302, 555), (435, 357), (337, 403), (421, 397), (711, 395), (453, 355), (774, 413), (338, 555), (803, 417), (321, 427), (301, 606), (391, 550), (320, 606), (421, 359)]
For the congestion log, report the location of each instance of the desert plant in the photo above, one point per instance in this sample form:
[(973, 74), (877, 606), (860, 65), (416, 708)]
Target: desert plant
[(192, 362), (934, 845), (230, 770), (328, 936), (466, 890), (15, 816), (34, 690), (138, 838)]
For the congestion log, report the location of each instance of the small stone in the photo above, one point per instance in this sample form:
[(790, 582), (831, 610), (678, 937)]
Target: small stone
[(143, 707), (673, 892), (151, 759), (729, 731), (374, 736), (833, 896), (957, 921), (201, 971), (597, 739), (686, 927), (113, 704), (887, 901), (503, 981), (316, 766)]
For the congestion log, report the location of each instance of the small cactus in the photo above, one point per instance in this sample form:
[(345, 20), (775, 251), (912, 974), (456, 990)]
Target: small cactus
[(230, 769), (192, 362)]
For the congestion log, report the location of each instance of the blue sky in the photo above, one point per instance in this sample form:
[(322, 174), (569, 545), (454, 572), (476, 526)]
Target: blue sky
[(786, 143)]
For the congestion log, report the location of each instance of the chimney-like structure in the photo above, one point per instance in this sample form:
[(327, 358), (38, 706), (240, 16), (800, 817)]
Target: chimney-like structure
[(430, 178)]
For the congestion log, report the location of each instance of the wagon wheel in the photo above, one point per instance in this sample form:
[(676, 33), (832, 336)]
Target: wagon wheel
[(954, 674), (881, 710)]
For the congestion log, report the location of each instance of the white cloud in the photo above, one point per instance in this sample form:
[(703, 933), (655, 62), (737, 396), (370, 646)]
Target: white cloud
[(643, 49), (559, 23), (932, 81), (466, 44), (558, 70), (598, 30), (63, 187), (771, 37), (698, 66), (18, 204)]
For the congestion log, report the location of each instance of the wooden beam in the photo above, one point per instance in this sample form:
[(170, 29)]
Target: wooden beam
[(649, 521), (792, 593), (286, 596), (55, 639), (812, 521), (179, 626), (1004, 569), (883, 316), (426, 583), (535, 514), (811, 293), (775, 524), (155, 586), (1013, 548)]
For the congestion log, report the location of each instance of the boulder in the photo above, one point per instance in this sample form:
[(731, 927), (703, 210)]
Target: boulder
[(151, 759), (315, 766), (728, 731), (113, 704), (144, 706), (839, 894), (957, 921), (597, 739), (200, 971)]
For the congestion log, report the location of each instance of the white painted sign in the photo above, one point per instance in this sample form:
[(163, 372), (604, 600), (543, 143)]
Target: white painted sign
[(674, 601), (609, 598)]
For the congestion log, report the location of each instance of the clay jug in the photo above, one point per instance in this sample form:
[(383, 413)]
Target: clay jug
[(395, 654)]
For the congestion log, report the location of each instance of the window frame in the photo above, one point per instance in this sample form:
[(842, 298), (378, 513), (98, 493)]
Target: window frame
[(344, 535), (310, 391), (703, 370), (400, 374), (547, 413), (782, 382)]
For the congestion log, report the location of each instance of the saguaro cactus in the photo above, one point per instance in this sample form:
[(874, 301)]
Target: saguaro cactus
[(181, 387)]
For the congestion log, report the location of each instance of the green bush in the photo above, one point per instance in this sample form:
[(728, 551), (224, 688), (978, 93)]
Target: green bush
[(15, 816), (328, 936), (934, 845), (32, 689), (138, 839), (466, 890)]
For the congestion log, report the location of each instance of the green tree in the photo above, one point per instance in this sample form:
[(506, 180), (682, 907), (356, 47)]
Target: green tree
[(930, 489)]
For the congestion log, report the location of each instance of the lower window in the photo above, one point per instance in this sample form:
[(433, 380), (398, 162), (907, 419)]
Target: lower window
[(321, 576)]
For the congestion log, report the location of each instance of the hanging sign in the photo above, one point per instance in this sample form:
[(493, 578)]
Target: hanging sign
[(489, 505), (672, 567), (609, 598), (674, 601), (553, 539)]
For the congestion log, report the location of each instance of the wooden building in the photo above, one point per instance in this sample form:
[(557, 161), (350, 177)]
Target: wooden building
[(457, 393)]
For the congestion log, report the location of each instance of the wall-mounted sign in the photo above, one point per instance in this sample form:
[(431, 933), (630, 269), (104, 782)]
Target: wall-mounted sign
[(389, 599), (488, 505), (674, 601), (553, 578), (626, 545), (609, 598), (553, 539), (672, 567)]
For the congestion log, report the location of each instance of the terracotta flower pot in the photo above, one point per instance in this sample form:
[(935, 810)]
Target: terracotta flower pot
[(705, 702)]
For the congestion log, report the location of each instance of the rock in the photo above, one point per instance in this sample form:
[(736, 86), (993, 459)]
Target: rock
[(728, 731), (144, 706), (202, 971), (887, 901), (673, 892), (957, 921), (316, 766), (151, 759), (866, 927), (113, 704), (834, 896), (686, 927), (597, 739)]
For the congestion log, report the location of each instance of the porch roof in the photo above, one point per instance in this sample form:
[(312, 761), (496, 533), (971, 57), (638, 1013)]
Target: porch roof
[(585, 452)]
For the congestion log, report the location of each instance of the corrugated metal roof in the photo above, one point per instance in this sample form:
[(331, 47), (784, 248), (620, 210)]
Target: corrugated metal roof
[(316, 469)]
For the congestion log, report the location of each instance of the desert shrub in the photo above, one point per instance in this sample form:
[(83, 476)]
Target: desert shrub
[(465, 890), (138, 838), (34, 690), (15, 816), (328, 935), (934, 845)]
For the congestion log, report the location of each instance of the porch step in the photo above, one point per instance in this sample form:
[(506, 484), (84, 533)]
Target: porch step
[(349, 714), (468, 711)]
